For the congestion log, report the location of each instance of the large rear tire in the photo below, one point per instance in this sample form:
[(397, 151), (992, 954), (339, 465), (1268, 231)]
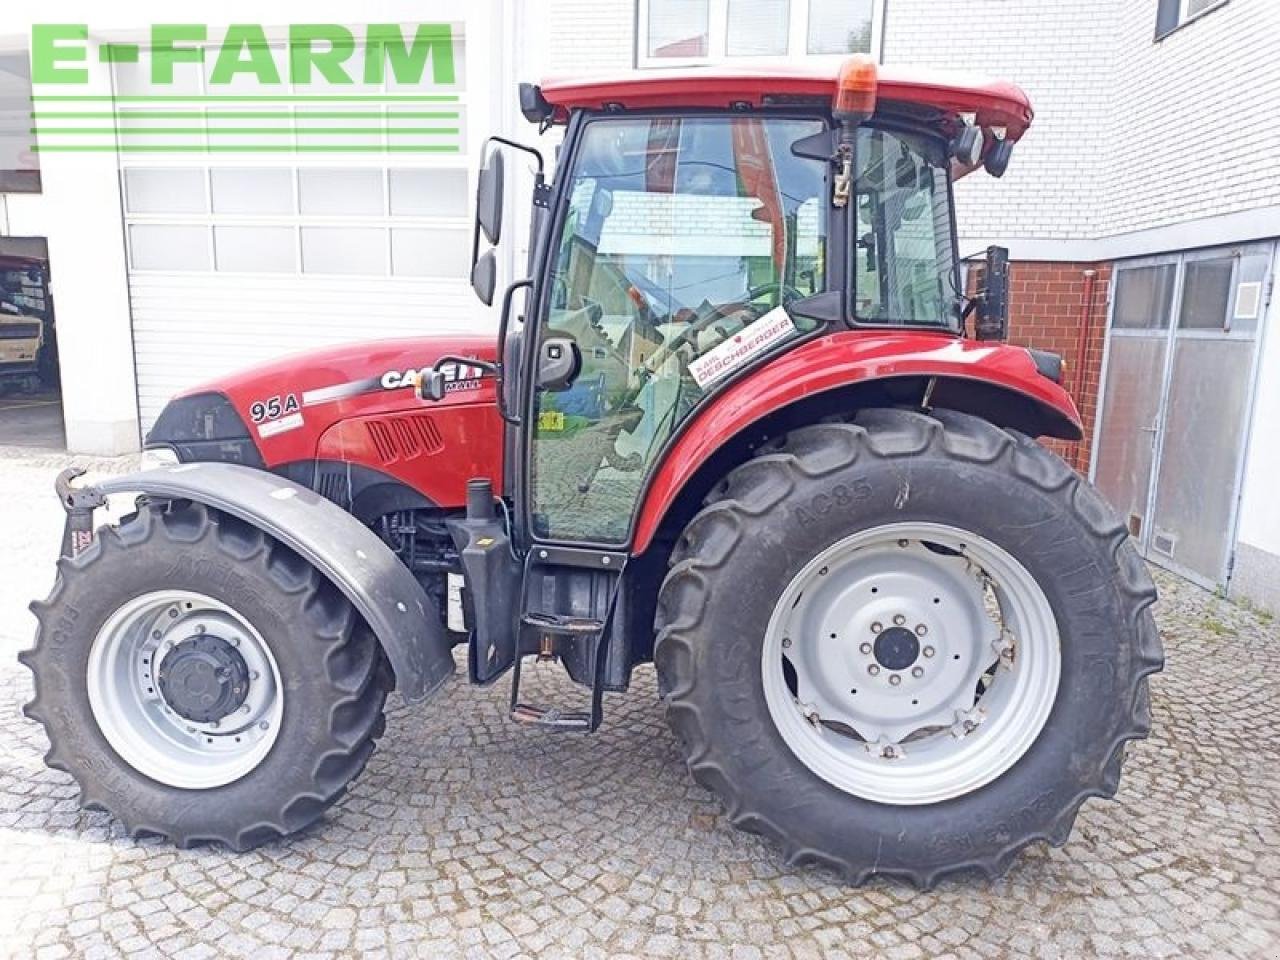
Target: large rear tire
[(908, 645), (202, 682)]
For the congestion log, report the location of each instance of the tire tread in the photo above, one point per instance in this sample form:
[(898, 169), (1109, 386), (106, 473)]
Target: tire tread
[(354, 664), (715, 532)]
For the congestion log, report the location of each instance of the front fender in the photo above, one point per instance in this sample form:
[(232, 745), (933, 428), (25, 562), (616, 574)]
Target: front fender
[(830, 363), (404, 618)]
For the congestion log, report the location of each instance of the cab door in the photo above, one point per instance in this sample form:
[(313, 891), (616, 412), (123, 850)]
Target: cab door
[(679, 240)]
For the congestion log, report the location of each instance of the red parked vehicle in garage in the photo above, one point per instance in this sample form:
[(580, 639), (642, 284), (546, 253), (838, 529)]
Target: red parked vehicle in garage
[(743, 418)]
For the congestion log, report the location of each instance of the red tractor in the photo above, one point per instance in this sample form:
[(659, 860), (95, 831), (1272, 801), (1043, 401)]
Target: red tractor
[(736, 425)]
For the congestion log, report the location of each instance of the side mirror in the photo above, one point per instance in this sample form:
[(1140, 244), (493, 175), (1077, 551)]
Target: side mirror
[(431, 385), (484, 276), (966, 148), (489, 194), (993, 303), (559, 363), (998, 157)]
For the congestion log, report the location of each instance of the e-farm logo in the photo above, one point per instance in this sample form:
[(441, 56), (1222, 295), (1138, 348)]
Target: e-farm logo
[(307, 88)]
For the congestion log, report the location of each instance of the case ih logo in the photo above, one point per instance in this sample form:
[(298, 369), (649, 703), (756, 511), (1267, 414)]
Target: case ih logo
[(313, 87), (457, 376)]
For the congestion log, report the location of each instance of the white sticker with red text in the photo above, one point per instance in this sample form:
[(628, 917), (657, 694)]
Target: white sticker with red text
[(774, 327)]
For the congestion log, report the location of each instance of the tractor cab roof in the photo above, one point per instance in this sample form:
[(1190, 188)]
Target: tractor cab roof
[(995, 104)]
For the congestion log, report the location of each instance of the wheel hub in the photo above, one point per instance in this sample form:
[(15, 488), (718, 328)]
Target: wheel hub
[(203, 679), (896, 648), (890, 668)]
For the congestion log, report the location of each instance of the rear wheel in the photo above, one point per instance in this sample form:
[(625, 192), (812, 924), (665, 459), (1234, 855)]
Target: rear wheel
[(908, 645), (202, 682)]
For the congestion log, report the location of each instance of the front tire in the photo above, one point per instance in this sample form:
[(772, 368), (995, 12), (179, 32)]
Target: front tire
[(830, 734), (202, 682)]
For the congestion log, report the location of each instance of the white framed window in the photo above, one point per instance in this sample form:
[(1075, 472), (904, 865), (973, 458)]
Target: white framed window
[(1172, 14), (676, 33)]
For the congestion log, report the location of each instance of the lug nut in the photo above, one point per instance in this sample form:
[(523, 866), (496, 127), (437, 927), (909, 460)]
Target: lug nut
[(865, 648), (921, 629), (929, 651), (877, 627), (873, 670), (917, 672), (200, 628), (786, 642), (899, 619), (895, 679), (263, 725)]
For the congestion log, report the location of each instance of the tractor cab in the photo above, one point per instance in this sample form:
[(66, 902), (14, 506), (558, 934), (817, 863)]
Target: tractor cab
[(699, 226)]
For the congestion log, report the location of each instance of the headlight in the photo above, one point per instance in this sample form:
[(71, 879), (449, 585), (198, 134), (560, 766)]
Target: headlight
[(154, 457)]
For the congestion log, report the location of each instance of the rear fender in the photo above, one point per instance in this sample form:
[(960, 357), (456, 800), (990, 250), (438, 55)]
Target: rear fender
[(404, 618), (997, 381)]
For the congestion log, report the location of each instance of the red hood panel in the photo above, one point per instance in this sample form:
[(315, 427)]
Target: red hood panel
[(290, 404)]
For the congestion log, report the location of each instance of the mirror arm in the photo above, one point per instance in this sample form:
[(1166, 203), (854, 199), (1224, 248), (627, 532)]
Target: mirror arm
[(504, 319), (486, 365), (515, 144)]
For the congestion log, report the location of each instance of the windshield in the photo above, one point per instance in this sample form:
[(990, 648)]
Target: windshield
[(905, 258), (681, 239)]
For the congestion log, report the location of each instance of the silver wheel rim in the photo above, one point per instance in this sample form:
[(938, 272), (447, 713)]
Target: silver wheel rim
[(141, 726), (853, 706)]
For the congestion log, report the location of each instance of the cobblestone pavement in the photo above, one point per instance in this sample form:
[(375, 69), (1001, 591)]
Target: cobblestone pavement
[(468, 836)]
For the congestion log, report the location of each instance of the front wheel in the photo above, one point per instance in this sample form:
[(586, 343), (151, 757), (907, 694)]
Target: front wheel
[(907, 645), (201, 681)]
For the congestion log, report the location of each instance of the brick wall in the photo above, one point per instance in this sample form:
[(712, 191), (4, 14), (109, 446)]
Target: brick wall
[(590, 36), (1129, 133), (1047, 310), (1193, 123), (1062, 53)]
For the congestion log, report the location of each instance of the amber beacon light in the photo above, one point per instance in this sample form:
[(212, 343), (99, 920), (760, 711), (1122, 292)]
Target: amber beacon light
[(856, 88)]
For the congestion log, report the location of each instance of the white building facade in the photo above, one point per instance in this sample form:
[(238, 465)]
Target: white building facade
[(1150, 181)]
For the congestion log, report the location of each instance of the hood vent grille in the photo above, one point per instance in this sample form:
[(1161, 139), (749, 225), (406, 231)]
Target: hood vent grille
[(405, 437)]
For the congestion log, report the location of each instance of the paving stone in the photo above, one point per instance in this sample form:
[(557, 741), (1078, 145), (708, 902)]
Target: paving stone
[(470, 837)]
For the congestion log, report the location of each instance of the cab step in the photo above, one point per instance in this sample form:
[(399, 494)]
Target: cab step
[(549, 718), (559, 625), (548, 626)]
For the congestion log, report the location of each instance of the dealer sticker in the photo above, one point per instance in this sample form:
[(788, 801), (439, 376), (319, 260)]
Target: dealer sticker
[(774, 327)]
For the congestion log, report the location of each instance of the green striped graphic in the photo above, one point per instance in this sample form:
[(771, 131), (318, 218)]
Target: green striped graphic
[(240, 148), (255, 98), (240, 115), (127, 118), (282, 131)]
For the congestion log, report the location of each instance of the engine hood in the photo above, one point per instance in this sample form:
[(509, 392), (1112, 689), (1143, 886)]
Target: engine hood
[(283, 407)]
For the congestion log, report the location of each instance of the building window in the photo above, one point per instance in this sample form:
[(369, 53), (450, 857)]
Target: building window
[(697, 32), (1172, 14), (19, 166)]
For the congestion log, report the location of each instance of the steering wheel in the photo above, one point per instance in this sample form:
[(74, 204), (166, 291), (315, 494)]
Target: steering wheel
[(788, 292), (714, 313)]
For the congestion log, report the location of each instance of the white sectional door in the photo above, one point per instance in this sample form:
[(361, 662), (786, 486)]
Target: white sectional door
[(318, 217)]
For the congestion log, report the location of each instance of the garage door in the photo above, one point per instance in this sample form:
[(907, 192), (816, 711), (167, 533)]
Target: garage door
[(259, 225)]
